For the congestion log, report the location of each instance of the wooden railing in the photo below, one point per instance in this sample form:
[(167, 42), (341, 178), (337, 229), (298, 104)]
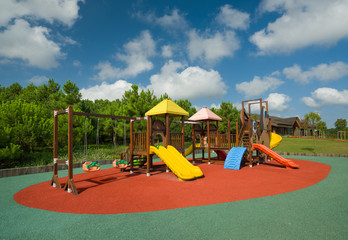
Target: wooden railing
[(221, 141), (139, 141), (233, 140), (176, 140)]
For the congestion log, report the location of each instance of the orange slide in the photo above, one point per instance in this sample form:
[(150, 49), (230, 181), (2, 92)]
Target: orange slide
[(287, 162)]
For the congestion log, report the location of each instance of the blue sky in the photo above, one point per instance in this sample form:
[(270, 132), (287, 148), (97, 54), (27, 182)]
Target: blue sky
[(292, 53)]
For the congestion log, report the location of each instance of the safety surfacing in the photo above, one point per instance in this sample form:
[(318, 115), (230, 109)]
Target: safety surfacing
[(110, 191)]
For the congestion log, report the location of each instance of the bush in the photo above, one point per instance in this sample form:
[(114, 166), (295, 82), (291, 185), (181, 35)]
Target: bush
[(10, 155)]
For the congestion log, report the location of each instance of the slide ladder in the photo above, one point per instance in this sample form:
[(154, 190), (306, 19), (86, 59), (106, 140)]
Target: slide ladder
[(234, 158), (287, 162)]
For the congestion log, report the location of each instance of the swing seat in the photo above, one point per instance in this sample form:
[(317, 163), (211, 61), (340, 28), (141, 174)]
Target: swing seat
[(90, 169), (122, 164)]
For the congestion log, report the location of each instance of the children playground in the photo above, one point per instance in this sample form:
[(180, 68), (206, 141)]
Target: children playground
[(224, 186)]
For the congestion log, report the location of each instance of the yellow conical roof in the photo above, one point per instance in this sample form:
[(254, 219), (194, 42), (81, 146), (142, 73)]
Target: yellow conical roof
[(166, 107)]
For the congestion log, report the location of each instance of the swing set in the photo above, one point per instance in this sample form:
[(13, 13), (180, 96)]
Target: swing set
[(88, 166)]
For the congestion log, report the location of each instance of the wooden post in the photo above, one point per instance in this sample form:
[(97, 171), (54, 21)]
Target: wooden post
[(193, 143), (202, 144), (229, 134), (55, 179), (167, 136), (183, 136), (148, 136), (131, 145), (208, 130), (217, 135), (167, 131), (237, 135), (70, 185)]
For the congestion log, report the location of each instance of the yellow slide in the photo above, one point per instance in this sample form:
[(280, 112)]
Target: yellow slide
[(179, 165), (197, 172), (189, 150), (275, 140)]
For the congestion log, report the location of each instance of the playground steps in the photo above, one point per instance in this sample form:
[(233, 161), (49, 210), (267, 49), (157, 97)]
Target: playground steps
[(246, 139), (246, 144)]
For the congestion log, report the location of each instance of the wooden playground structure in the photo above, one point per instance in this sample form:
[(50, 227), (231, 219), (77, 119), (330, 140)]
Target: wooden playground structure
[(208, 136), (250, 131), (142, 144), (70, 185)]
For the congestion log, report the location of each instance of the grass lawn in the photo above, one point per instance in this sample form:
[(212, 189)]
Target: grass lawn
[(298, 145)]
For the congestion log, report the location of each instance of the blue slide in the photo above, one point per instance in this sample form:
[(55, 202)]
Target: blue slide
[(234, 158)]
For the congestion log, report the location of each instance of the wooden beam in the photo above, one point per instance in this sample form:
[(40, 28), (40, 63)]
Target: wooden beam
[(237, 135), (229, 134), (148, 136), (183, 136), (70, 185), (55, 179), (208, 131), (131, 145), (167, 131), (105, 116), (193, 143)]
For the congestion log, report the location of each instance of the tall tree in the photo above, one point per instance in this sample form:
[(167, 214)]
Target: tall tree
[(11, 92), (227, 112), (72, 93), (27, 124), (313, 119), (341, 124), (29, 94)]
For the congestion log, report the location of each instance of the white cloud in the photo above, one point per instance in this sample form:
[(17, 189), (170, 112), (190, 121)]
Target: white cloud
[(212, 48), (31, 44), (106, 71), (233, 18), (173, 21), (258, 86), (106, 91), (136, 57), (322, 72), (77, 63), (38, 80), (277, 102), (326, 96), (302, 24), (167, 51), (192, 83), (64, 11)]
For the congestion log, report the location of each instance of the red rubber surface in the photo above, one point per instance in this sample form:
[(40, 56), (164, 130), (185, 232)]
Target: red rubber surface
[(110, 191)]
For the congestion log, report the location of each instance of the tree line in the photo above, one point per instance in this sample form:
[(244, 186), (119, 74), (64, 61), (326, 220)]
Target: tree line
[(26, 117), (312, 121)]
